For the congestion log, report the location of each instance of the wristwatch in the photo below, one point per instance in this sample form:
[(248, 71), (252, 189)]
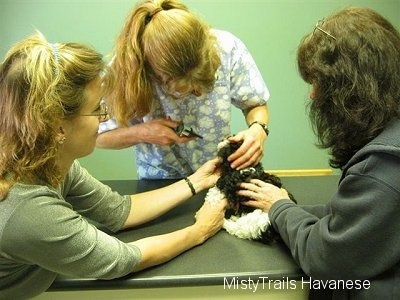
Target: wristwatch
[(263, 125)]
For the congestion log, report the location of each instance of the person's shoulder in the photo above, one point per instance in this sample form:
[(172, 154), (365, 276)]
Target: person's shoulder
[(31, 191), (75, 174), (75, 167), (24, 199), (227, 41), (223, 35), (386, 141)]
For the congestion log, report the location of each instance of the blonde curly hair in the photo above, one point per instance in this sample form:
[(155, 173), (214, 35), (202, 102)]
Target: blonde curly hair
[(40, 83)]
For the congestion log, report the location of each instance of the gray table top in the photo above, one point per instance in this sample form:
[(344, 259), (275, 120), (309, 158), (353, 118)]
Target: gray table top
[(220, 259)]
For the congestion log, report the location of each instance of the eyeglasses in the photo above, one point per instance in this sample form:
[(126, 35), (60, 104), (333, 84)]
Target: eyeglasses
[(169, 86), (318, 26), (178, 94), (103, 114)]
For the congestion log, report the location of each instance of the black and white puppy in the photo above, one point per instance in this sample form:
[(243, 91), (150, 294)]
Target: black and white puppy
[(240, 220)]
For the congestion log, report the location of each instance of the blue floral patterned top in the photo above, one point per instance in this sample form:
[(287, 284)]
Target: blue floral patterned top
[(239, 82)]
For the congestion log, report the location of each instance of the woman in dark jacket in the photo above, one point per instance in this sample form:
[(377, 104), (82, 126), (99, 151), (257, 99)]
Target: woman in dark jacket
[(352, 244)]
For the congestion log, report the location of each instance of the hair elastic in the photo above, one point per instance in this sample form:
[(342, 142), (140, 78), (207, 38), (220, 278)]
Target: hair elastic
[(151, 15), (56, 56), (157, 10)]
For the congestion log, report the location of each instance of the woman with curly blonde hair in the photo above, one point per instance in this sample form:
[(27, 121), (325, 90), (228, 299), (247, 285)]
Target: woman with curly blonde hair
[(51, 103), (171, 68)]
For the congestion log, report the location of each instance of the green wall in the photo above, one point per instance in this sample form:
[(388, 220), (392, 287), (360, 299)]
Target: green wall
[(270, 29)]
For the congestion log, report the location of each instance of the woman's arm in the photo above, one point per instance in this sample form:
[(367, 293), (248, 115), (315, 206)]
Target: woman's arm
[(252, 149), (149, 205), (162, 248), (157, 131)]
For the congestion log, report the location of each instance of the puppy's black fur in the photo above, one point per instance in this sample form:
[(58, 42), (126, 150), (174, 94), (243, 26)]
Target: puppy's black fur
[(229, 182)]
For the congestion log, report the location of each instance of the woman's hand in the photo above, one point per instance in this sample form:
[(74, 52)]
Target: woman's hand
[(252, 149), (210, 218), (261, 194), (161, 248), (161, 132), (207, 175)]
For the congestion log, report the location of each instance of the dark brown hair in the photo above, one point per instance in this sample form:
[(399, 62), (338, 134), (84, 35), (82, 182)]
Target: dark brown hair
[(354, 67)]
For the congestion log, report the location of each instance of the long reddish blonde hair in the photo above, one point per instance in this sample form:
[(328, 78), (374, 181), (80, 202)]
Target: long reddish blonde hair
[(159, 36)]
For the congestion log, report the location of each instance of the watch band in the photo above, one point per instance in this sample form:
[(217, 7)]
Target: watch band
[(263, 125)]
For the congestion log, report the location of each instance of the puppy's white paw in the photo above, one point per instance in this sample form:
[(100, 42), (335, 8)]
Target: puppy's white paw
[(214, 195), (248, 226)]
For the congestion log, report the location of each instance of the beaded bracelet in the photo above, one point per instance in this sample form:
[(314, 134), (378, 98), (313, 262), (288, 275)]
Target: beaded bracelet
[(189, 183)]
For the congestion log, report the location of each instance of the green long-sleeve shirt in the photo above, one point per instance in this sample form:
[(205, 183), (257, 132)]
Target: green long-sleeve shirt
[(45, 232)]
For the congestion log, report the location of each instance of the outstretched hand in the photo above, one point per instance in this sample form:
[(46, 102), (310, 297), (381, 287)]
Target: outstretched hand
[(210, 218), (261, 194), (207, 175), (162, 132), (249, 153)]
